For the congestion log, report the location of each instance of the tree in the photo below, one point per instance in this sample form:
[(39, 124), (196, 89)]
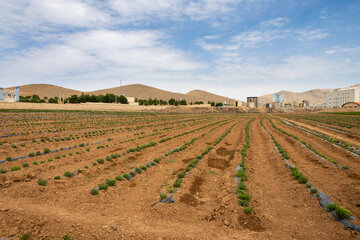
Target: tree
[(172, 101), (183, 102), (219, 104), (123, 99), (212, 104), (73, 99), (54, 100), (35, 99)]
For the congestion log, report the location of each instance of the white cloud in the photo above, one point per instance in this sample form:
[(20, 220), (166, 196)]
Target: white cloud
[(311, 34), (253, 38), (96, 51), (206, 9), (277, 22)]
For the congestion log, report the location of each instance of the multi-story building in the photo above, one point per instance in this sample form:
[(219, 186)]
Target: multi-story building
[(340, 96), (252, 102), (9, 95)]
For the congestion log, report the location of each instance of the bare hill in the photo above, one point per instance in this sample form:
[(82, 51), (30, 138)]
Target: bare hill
[(133, 90), (314, 96), (46, 90), (200, 95)]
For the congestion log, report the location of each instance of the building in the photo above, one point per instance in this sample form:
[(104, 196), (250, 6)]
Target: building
[(351, 105), (252, 102), (338, 97), (9, 95)]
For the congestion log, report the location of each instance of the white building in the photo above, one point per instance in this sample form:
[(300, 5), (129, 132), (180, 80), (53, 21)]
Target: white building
[(9, 95), (340, 96)]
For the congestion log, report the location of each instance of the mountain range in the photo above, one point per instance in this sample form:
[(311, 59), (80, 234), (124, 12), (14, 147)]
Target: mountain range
[(140, 91)]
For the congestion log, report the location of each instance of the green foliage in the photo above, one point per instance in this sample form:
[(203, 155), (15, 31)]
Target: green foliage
[(110, 182), (162, 196), (248, 210), (94, 191), (100, 160), (2, 171), (42, 182), (25, 236), (103, 186), (119, 178), (57, 177), (66, 237), (47, 150), (8, 158), (68, 174), (25, 164), (15, 168)]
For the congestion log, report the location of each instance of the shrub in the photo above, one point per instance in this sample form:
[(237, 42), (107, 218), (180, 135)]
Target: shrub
[(342, 212), (177, 183), (22, 144), (314, 190), (103, 186), (110, 182), (50, 160), (248, 210), (47, 150), (42, 182), (162, 196), (302, 179), (132, 173), (68, 174), (25, 165), (331, 206), (100, 160), (57, 177), (241, 174), (243, 203), (94, 191), (25, 236), (308, 185), (243, 195), (15, 168), (8, 158), (181, 174), (66, 237), (94, 163), (42, 162), (13, 146), (119, 178), (242, 186)]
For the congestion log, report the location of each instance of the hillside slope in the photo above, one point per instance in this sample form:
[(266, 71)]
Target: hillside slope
[(315, 96), (46, 90)]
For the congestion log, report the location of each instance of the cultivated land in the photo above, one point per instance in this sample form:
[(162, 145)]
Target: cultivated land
[(100, 175)]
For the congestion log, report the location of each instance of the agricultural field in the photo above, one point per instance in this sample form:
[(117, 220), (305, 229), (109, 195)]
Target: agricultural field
[(109, 175)]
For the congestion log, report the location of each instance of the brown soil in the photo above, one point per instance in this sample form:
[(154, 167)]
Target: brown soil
[(206, 205)]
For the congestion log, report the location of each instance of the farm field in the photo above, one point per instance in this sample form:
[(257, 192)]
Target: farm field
[(110, 175)]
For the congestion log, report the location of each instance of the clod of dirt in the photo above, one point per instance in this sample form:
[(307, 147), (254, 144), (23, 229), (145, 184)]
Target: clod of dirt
[(195, 186), (251, 222), (218, 163), (223, 151), (190, 200)]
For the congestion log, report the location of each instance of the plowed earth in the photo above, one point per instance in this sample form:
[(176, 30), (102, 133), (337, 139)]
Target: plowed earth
[(205, 206)]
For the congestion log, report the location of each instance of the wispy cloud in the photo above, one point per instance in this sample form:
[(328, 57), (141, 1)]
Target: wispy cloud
[(311, 34), (277, 22)]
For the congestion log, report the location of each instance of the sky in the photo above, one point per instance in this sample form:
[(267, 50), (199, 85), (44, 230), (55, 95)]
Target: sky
[(235, 48)]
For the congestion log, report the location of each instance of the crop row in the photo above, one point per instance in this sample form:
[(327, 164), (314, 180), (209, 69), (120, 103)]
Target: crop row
[(337, 142), (138, 170), (323, 199), (192, 164), (242, 192), (308, 146)]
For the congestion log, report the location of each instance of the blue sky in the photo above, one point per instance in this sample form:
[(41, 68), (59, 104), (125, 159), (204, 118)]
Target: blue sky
[(235, 48)]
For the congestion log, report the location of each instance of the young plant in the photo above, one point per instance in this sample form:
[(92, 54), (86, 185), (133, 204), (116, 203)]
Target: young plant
[(248, 210), (111, 182), (25, 164), (94, 191), (162, 196), (8, 158), (57, 177), (42, 182), (103, 186), (68, 174), (15, 168)]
